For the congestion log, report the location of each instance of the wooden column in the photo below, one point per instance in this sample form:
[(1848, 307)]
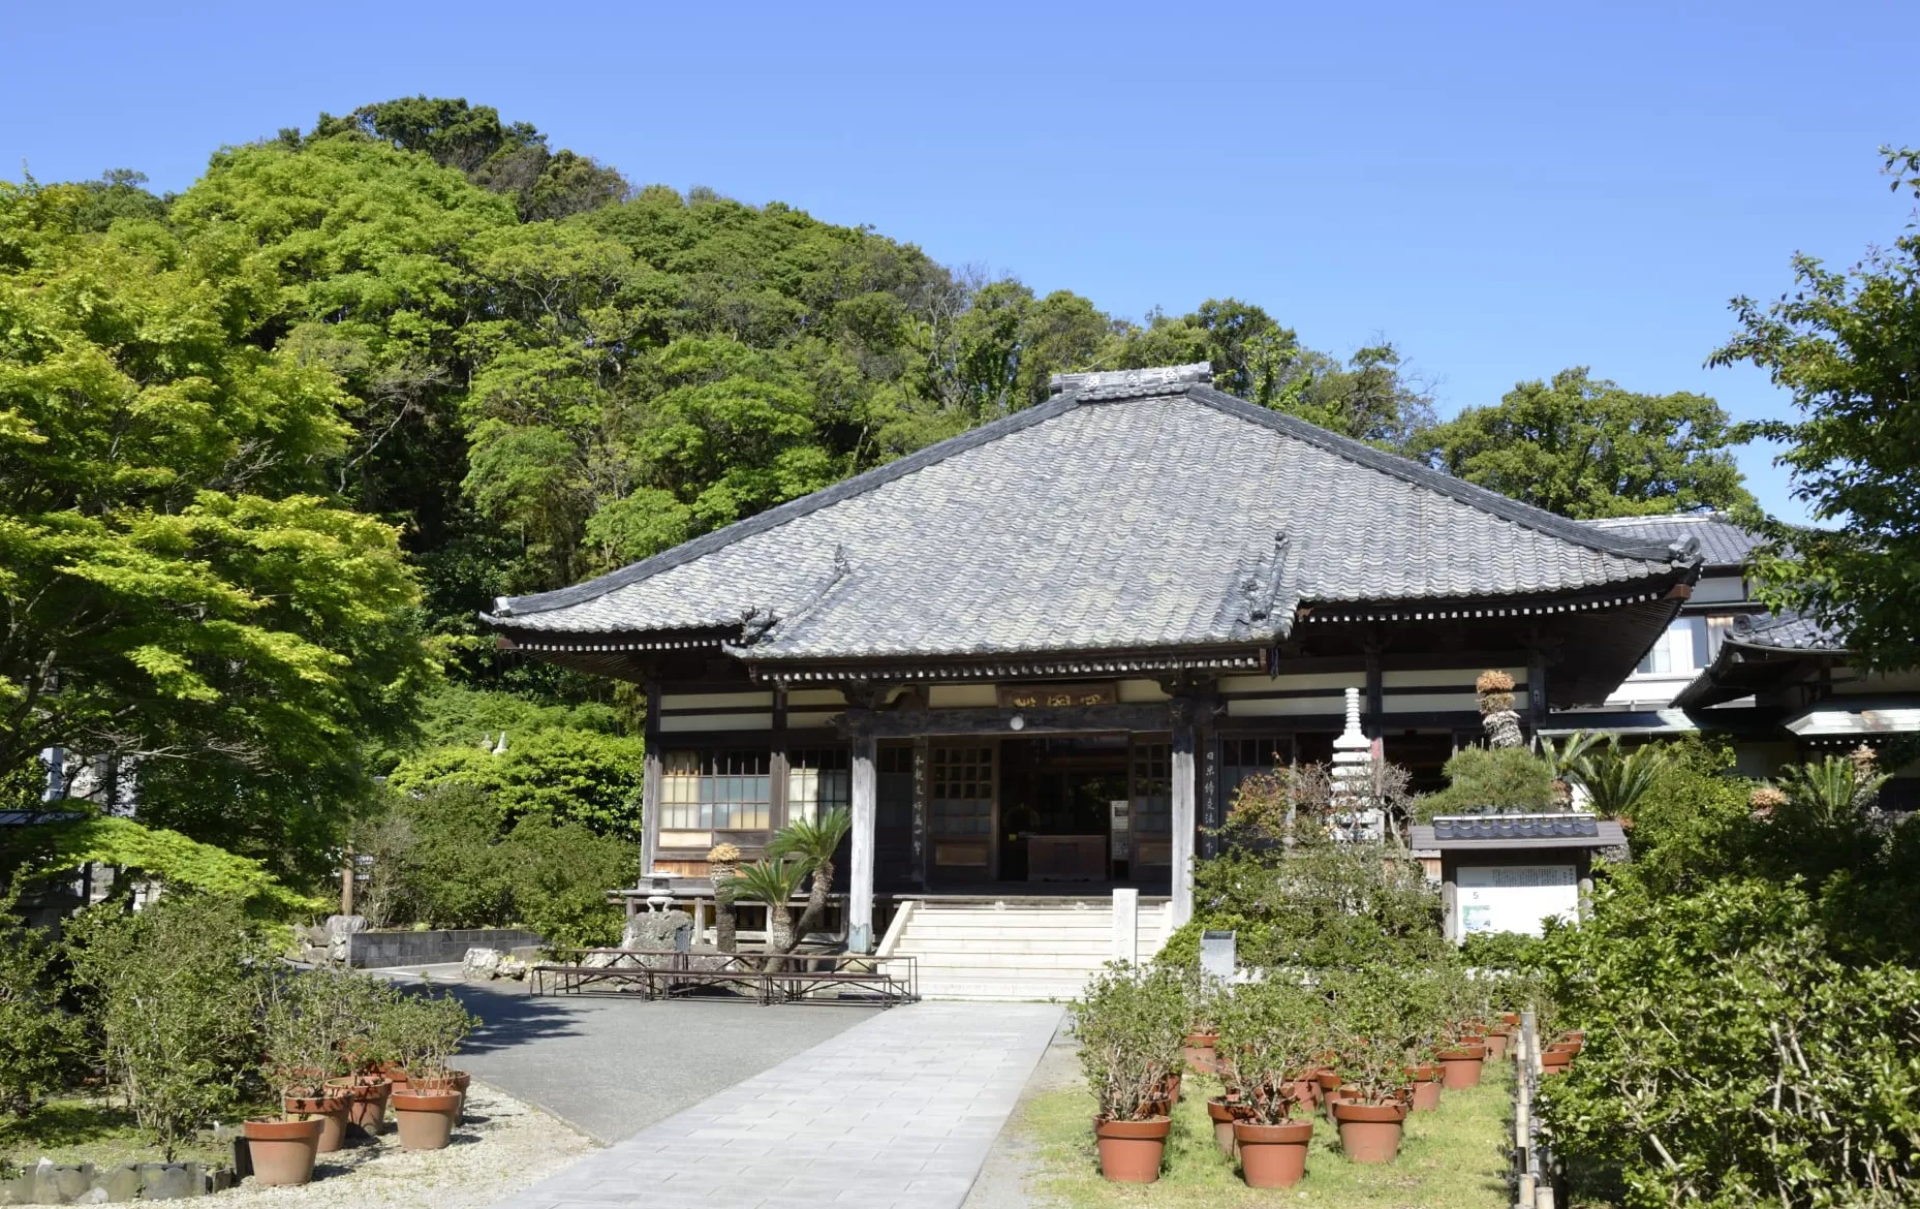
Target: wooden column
[(1536, 691), (1183, 822), (1376, 717), (860, 876), (650, 785)]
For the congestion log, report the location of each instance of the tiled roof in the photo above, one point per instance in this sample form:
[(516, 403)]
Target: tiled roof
[(1116, 516), (1787, 631), (1513, 827), (1494, 832), (1722, 543)]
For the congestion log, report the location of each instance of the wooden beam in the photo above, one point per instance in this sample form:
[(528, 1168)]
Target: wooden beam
[(1077, 719)]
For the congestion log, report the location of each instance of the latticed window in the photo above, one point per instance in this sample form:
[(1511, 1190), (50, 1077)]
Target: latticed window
[(962, 790), (817, 781), (1153, 788), (720, 790), (1241, 758)]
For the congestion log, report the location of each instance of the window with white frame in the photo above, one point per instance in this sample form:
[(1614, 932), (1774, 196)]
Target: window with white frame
[(715, 791), (818, 780), (1685, 647)]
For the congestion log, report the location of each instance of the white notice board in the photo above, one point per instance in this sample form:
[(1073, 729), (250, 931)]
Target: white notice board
[(1515, 898)]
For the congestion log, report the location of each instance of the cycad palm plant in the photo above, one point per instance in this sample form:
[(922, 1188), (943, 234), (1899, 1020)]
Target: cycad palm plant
[(812, 842), (1829, 792), (1615, 781), (772, 881), (1562, 757)]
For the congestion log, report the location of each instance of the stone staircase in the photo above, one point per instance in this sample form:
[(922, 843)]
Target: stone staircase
[(1015, 948)]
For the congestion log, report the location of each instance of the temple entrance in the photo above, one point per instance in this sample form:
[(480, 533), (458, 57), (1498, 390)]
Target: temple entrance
[(1065, 809)]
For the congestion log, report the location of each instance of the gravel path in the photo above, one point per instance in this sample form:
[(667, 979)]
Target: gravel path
[(504, 1146)]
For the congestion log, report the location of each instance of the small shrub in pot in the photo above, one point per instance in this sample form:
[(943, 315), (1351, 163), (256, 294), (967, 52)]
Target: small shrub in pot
[(426, 1031), (1130, 1023), (1271, 1036), (1371, 1026)]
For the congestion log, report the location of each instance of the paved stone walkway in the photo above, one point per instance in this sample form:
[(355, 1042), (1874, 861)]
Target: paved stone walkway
[(898, 1110)]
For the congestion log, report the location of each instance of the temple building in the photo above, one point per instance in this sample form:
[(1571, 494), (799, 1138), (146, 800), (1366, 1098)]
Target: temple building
[(1040, 656)]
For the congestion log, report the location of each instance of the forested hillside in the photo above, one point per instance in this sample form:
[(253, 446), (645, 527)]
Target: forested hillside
[(271, 443)]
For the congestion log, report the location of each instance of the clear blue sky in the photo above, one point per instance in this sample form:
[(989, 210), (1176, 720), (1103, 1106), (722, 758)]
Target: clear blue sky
[(1501, 190)]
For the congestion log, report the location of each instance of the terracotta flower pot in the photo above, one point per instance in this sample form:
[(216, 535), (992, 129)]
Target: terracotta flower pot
[(1339, 1095), (1370, 1133), (331, 1110), (426, 1118), (1222, 1115), (453, 1080), (1327, 1080), (1199, 1053), (1497, 1044), (366, 1101), (1510, 1019), (1555, 1061), (1273, 1156), (282, 1151), (1461, 1067), (1307, 1091), (1426, 1095), (1131, 1151)]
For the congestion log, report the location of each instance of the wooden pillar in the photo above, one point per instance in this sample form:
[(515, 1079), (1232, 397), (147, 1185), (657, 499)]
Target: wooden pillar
[(1183, 821), (1536, 691), (1376, 718), (650, 785), (860, 876)]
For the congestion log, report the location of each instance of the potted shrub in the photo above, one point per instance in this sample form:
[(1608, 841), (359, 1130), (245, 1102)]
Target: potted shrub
[(364, 1051), (1270, 1037), (425, 1032), (1203, 1006), (1130, 1023), (1372, 1028), (301, 1030)]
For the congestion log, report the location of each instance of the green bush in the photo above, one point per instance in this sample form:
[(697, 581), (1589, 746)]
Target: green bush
[(560, 877), (1491, 778), (1730, 1058), (1500, 951), (422, 1032), (1130, 1022), (37, 1035), (1321, 904), (174, 991), (1271, 1033)]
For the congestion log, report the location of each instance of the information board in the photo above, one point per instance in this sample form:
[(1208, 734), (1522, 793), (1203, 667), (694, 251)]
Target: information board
[(1515, 898)]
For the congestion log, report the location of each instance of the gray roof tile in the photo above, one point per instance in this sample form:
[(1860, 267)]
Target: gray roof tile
[(1109, 518), (1722, 543)]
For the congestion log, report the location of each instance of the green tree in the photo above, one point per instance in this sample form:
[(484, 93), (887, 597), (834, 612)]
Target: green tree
[(1846, 345), (177, 591), (1584, 447)]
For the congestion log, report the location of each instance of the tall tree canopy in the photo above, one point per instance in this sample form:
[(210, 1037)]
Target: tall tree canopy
[(1846, 344), (1585, 447), (176, 589)]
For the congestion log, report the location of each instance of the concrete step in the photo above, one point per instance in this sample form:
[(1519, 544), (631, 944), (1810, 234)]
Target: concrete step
[(1094, 947)]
